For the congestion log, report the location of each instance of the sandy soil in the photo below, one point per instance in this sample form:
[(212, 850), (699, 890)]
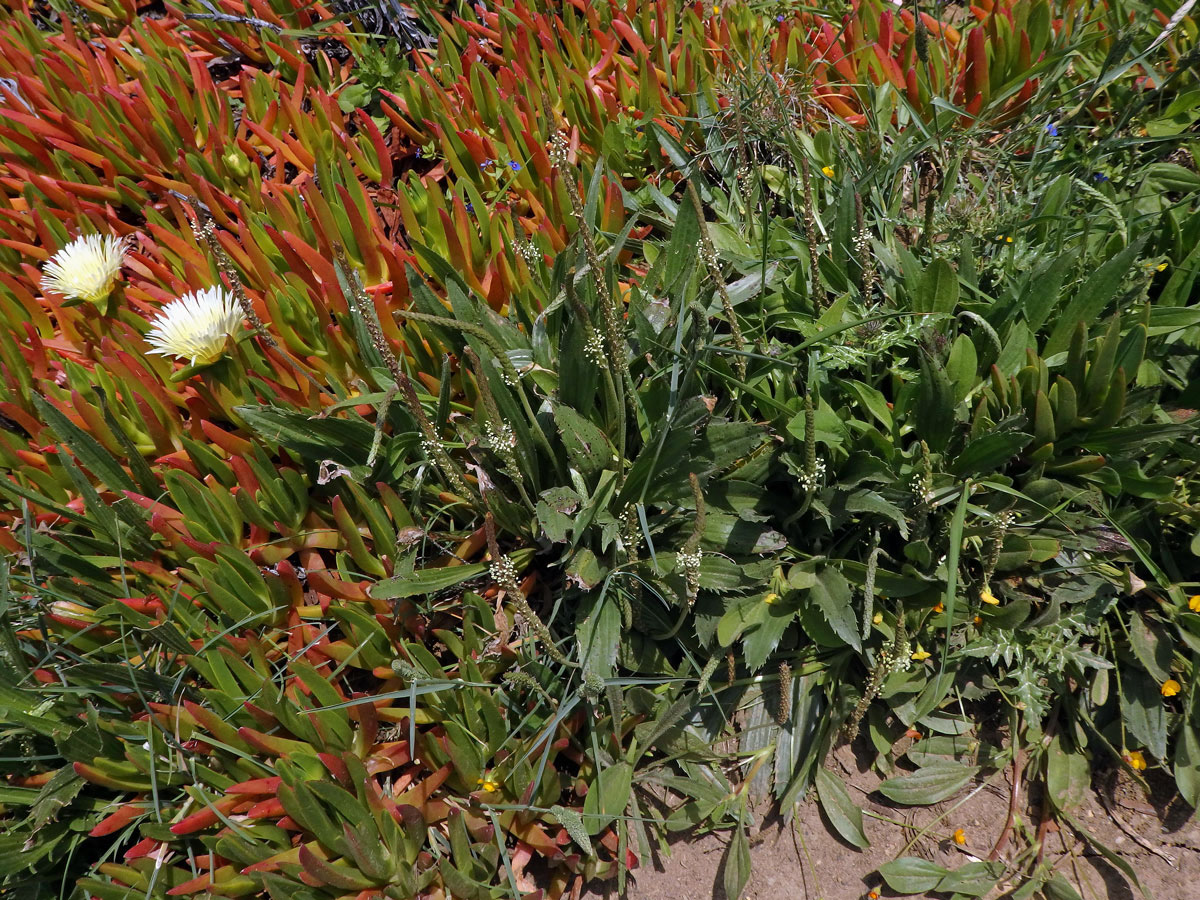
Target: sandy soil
[(804, 860)]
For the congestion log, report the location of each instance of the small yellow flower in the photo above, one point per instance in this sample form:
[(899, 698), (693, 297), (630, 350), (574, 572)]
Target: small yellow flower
[(960, 837), (978, 620), (1171, 687), (877, 618), (490, 786), (87, 268), (1136, 761), (1008, 240), (1162, 267), (196, 326), (872, 895), (827, 171), (986, 596), (770, 598), (1194, 603), (920, 653), (940, 608), (716, 10)]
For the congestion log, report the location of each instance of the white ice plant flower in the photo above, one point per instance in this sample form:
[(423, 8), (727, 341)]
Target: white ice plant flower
[(196, 326), (87, 268)]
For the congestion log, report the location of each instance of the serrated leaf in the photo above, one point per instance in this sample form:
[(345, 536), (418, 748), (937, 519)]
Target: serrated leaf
[(832, 597), (864, 501), (742, 615), (759, 642)]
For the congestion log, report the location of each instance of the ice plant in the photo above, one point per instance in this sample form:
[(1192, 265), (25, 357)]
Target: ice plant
[(196, 326), (87, 268)]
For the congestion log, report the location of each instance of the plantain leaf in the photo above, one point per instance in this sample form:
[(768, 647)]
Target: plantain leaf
[(425, 581), (840, 810), (929, 784), (912, 875), (347, 441), (737, 864)]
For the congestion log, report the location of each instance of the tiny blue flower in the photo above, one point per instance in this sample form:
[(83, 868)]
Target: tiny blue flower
[(470, 207), (515, 166), (1099, 176), (486, 164), (779, 18), (1052, 130), (419, 154)]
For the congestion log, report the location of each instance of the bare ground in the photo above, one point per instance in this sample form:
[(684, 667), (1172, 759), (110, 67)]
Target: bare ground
[(804, 860)]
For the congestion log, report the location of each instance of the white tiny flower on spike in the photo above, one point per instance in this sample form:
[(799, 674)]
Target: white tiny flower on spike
[(87, 268), (196, 326)]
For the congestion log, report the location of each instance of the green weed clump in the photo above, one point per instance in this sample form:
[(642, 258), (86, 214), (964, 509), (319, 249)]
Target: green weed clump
[(568, 394)]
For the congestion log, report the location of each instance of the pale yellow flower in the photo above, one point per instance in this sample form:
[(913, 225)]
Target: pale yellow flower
[(770, 598), (1171, 687), (196, 326), (1162, 267), (987, 597), (87, 268), (877, 618), (921, 653)]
